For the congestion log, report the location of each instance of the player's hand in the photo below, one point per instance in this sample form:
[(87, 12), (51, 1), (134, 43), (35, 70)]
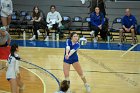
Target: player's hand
[(126, 29), (100, 26), (67, 57)]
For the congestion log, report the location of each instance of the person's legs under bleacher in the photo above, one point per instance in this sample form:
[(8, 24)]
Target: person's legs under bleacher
[(103, 33), (96, 31)]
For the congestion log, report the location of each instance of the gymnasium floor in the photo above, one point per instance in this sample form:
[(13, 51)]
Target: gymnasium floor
[(109, 68)]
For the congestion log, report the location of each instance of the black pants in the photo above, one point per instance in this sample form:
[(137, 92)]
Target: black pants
[(36, 27), (103, 31), (44, 25), (56, 28)]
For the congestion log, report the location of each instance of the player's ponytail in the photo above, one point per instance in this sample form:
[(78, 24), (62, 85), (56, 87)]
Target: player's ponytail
[(13, 49)]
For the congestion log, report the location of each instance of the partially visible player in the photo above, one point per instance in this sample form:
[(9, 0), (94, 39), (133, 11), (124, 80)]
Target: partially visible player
[(6, 12), (64, 86), (13, 74), (71, 58)]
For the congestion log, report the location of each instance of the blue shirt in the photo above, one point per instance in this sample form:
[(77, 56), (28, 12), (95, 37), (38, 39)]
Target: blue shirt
[(97, 20), (129, 21), (74, 56)]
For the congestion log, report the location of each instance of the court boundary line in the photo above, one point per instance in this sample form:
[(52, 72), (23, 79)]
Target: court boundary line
[(4, 91), (37, 76), (57, 80), (129, 50)]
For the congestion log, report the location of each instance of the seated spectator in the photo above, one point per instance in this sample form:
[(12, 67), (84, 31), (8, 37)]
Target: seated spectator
[(5, 38), (128, 25), (36, 19), (97, 24), (54, 20), (64, 86)]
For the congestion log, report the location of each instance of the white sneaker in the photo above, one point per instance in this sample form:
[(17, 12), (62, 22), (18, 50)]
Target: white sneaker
[(38, 32), (33, 38), (92, 33), (87, 88), (95, 40), (119, 44), (47, 38)]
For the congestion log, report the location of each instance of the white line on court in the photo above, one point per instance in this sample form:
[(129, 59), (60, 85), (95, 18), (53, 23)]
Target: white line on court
[(129, 50)]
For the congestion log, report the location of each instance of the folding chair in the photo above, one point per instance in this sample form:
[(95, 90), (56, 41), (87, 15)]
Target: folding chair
[(76, 24), (86, 27), (115, 28), (65, 25)]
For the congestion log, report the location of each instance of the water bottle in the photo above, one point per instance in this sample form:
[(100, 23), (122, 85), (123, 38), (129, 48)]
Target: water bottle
[(108, 39), (53, 36), (57, 37), (24, 35)]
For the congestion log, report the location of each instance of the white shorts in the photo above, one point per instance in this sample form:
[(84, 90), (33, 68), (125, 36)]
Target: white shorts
[(4, 15)]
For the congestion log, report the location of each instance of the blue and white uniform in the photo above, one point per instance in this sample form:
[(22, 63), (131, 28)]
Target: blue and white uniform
[(13, 67), (74, 57)]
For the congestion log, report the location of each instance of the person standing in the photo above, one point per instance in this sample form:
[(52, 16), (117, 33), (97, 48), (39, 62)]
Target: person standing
[(6, 12), (13, 73), (71, 58)]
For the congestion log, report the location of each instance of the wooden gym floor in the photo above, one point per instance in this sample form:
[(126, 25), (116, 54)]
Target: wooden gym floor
[(107, 71)]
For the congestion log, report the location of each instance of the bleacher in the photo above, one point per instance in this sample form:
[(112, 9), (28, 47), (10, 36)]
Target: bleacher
[(117, 10), (71, 8)]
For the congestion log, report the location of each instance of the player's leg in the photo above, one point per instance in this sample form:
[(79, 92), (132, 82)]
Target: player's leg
[(66, 69), (4, 21), (79, 70), (14, 86), (19, 82), (8, 22)]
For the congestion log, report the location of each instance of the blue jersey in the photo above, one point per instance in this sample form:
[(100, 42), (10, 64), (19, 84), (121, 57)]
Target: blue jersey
[(97, 20), (74, 57), (129, 21)]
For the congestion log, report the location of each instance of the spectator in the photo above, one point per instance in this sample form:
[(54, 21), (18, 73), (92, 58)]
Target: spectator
[(128, 25), (64, 86), (6, 12), (36, 19), (5, 38), (54, 20), (97, 24)]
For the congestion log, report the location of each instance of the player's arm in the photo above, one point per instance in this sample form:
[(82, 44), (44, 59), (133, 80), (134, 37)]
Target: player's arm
[(67, 47), (76, 47)]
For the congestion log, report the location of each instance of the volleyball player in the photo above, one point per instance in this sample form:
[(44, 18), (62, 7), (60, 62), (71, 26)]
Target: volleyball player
[(71, 58), (12, 74), (63, 87), (6, 12)]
